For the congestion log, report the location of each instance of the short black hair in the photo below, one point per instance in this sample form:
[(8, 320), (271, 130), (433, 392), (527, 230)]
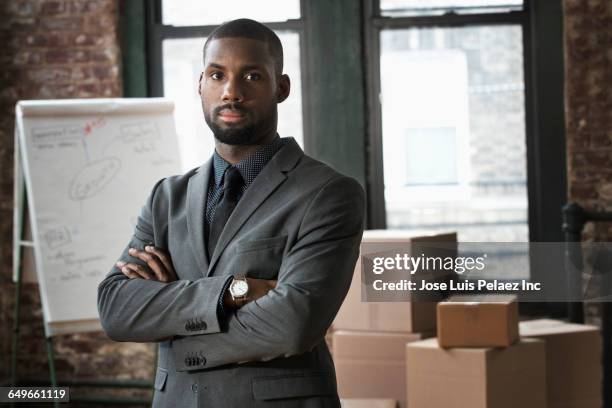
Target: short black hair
[(247, 28)]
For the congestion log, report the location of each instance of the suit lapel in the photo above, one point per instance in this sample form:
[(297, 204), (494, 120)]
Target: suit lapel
[(197, 189), (271, 176)]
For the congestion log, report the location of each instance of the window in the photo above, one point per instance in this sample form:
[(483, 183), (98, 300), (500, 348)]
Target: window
[(466, 131), (440, 7), (208, 13), (453, 113), (449, 76), (179, 53), (450, 128)]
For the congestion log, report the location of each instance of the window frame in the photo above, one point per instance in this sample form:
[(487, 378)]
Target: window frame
[(375, 23), (544, 124)]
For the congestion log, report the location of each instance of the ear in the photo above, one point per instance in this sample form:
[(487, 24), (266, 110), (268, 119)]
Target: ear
[(200, 83), (283, 89)]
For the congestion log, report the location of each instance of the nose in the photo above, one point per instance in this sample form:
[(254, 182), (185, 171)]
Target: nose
[(232, 91)]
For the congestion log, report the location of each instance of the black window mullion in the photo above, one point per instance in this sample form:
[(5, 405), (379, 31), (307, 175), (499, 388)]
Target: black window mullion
[(451, 20), (155, 84), (374, 153), (305, 78), (170, 31)]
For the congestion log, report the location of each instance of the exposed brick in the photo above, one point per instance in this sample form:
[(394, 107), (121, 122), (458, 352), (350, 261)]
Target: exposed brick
[(49, 40), (46, 74), (104, 55), (588, 64), (588, 38), (71, 24), (67, 56), (584, 190), (47, 54), (24, 8), (95, 24), (57, 91), (100, 7), (109, 72), (27, 57), (24, 24), (89, 90), (87, 39), (52, 7)]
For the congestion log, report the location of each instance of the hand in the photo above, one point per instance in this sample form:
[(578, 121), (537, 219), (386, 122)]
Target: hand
[(257, 289), (158, 261)]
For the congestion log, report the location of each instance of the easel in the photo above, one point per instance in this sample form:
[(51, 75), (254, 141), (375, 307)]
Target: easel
[(19, 242)]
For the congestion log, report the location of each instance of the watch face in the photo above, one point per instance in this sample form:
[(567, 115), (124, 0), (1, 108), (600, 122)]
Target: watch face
[(239, 288)]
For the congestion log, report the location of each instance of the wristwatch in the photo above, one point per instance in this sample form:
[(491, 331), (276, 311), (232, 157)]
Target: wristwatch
[(239, 288)]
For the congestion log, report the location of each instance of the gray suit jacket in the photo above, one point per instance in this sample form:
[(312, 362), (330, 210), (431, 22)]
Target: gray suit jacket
[(299, 222)]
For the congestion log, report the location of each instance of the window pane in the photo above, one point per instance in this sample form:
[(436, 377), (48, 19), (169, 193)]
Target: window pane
[(201, 12), (182, 66), (435, 7), (454, 131)]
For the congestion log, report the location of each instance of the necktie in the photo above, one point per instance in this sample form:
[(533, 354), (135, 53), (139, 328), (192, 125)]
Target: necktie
[(231, 190)]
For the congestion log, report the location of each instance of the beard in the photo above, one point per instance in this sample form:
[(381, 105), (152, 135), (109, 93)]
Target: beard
[(247, 134)]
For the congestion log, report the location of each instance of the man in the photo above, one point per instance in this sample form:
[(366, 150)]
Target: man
[(237, 268)]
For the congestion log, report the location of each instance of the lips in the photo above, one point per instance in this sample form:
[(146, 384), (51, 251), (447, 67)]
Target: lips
[(231, 115)]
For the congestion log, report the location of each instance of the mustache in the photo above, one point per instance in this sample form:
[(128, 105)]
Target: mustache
[(230, 106)]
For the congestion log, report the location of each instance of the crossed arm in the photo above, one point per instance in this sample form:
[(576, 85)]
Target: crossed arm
[(286, 319), (157, 265)]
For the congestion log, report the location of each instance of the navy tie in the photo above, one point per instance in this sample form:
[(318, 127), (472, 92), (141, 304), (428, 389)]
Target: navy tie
[(231, 192)]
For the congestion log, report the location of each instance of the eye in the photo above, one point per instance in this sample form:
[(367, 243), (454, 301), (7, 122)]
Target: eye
[(216, 75), (253, 76)]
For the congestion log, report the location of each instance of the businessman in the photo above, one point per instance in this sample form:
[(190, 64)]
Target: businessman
[(237, 268)]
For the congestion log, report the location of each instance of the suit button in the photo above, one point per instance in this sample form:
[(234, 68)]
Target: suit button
[(194, 388)]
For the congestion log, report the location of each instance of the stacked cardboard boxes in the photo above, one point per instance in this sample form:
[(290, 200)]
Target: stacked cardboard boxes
[(383, 353), (368, 403), (372, 364), (415, 317), (369, 339), (484, 321), (476, 377), (486, 366), (573, 362)]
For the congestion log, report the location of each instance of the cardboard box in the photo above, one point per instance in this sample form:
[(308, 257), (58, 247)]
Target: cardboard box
[(372, 365), (478, 321), (573, 362), (329, 338), (412, 317), (509, 377), (368, 403)]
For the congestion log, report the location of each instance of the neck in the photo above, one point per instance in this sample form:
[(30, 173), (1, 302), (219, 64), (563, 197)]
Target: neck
[(236, 153)]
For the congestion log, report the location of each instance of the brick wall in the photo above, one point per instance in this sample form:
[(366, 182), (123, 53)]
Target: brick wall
[(588, 104), (55, 49), (588, 114)]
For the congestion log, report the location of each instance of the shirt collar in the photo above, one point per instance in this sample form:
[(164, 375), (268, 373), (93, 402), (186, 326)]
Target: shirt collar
[(250, 166)]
